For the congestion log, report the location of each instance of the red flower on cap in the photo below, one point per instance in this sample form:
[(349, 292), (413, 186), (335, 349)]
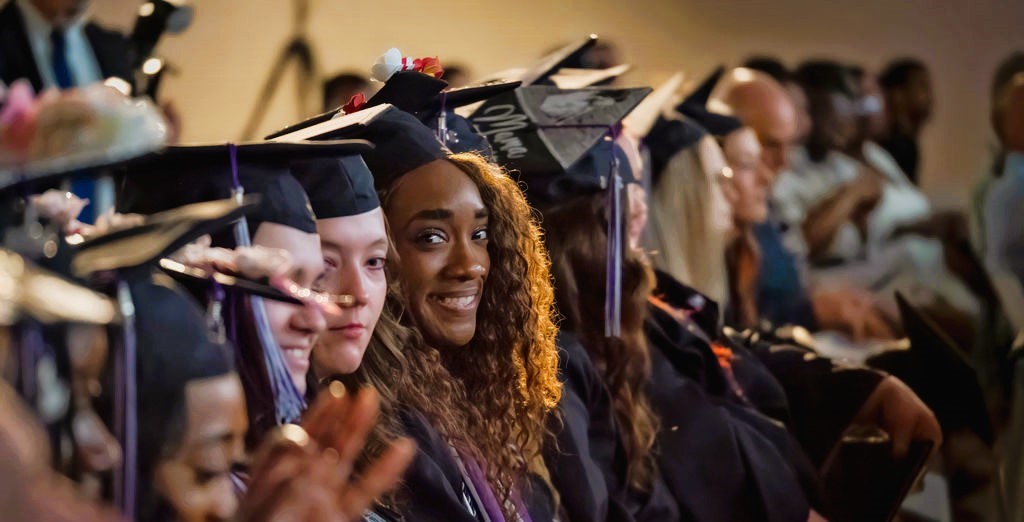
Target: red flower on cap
[(430, 65), (355, 103)]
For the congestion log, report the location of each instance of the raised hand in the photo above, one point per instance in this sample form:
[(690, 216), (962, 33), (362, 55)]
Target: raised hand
[(306, 472)]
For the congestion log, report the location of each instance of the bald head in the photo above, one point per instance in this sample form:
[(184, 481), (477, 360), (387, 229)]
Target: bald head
[(764, 105)]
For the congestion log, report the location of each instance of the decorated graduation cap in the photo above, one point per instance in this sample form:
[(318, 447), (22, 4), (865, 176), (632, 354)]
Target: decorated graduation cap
[(401, 141), (413, 86), (337, 187), (560, 141), (695, 107), (174, 348), (409, 84), (187, 174), (562, 144), (938, 372)]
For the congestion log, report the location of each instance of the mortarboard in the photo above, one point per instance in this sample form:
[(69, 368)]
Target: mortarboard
[(158, 236), (337, 187), (556, 139), (402, 142), (427, 98), (938, 372), (183, 175), (695, 108), (562, 143), (668, 137)]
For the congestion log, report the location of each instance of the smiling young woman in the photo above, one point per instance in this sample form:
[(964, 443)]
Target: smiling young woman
[(476, 276)]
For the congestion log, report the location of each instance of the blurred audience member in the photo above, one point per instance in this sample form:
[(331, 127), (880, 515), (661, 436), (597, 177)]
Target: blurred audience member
[(1002, 80), (457, 75), (826, 196), (908, 100), (780, 73), (783, 295), (902, 203), (340, 88), (1004, 200)]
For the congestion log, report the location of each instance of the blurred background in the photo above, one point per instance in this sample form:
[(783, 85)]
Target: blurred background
[(224, 58)]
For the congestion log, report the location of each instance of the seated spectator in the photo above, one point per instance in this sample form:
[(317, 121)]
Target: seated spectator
[(908, 100), (341, 87)]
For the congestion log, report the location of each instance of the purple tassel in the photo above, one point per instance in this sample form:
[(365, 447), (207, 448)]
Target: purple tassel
[(236, 186), (126, 412), (613, 276)]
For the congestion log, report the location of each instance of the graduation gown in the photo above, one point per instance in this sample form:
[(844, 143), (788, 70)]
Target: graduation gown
[(721, 459), (815, 397), (435, 489), (588, 461)]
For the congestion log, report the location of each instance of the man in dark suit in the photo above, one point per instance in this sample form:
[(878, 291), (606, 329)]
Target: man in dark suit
[(49, 43), (34, 34)]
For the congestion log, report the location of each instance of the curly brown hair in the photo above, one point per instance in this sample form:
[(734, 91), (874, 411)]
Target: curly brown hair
[(577, 240), (512, 375)]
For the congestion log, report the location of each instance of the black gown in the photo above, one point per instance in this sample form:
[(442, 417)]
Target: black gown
[(587, 461), (722, 459), (814, 396), (434, 488)]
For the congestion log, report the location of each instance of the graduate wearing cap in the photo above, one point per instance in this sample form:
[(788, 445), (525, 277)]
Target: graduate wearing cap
[(32, 490), (481, 302), (414, 86), (366, 345), (188, 415), (601, 464), (580, 224), (777, 379), (272, 339)]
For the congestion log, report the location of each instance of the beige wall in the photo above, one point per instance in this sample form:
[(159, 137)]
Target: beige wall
[(226, 54)]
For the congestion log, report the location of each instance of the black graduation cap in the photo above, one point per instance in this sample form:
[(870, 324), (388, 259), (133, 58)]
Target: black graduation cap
[(182, 175), (337, 187), (409, 91), (174, 347), (159, 236), (936, 370), (401, 141), (418, 94), (667, 138), (694, 107), (558, 140)]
